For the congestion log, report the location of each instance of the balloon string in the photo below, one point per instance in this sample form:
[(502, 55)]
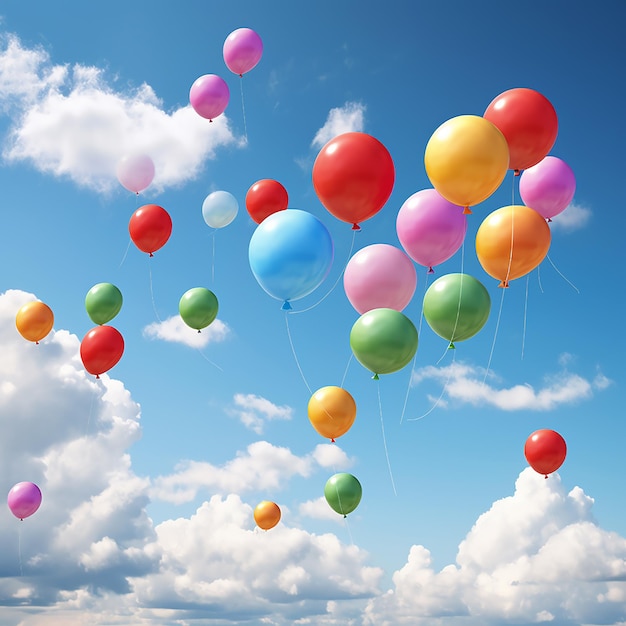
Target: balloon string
[(443, 391), (88, 425), (243, 109), (505, 282), (295, 356), (562, 275), (525, 315), (539, 278), (292, 312), (152, 293), (382, 427), (19, 546), (495, 334), (345, 372), (213, 258), (206, 358), (125, 254)]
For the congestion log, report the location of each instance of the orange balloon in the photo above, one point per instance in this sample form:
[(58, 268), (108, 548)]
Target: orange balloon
[(266, 514), (511, 242), (332, 411), (34, 320), (466, 159)]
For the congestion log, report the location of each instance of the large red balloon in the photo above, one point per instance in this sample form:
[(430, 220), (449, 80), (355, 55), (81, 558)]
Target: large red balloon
[(265, 197), (353, 176), (150, 227), (101, 348), (545, 451), (529, 123)]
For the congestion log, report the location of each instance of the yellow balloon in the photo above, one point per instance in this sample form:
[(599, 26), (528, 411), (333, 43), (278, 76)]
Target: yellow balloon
[(466, 159), (34, 320), (332, 411), (267, 514)]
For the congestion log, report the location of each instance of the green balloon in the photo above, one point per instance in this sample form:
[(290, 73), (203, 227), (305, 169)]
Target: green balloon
[(456, 306), (103, 302), (198, 307), (343, 493), (383, 340)]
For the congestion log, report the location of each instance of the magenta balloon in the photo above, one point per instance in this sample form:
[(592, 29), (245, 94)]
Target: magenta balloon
[(548, 187), (379, 276), (135, 172), (209, 96), (24, 499), (242, 50), (430, 228)]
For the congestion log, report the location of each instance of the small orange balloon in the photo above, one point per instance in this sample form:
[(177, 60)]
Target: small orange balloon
[(266, 514), (34, 320), (511, 242), (332, 411)]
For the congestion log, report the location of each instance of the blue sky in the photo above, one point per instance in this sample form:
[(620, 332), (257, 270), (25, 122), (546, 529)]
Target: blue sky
[(150, 475)]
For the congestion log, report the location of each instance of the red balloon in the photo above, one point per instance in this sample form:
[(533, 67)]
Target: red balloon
[(101, 348), (150, 227), (353, 176), (545, 451), (265, 197), (529, 123)]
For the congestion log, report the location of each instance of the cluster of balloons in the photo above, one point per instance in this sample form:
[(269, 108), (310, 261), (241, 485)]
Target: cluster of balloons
[(24, 499)]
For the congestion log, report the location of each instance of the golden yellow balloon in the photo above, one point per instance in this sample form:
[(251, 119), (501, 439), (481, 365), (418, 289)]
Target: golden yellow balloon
[(511, 242), (266, 514), (466, 159), (34, 320), (332, 411)]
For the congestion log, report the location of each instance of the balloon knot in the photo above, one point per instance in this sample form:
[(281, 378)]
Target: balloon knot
[(97, 376), (516, 172), (375, 377), (549, 219), (430, 270), (240, 75), (36, 343), (546, 477), (286, 306), (451, 346), (210, 121), (332, 440), (344, 516), (355, 226), (504, 284), (467, 210), (151, 254), (198, 331)]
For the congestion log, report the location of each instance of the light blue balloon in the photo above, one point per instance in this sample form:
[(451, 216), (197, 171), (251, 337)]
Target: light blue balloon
[(290, 254), (219, 209)]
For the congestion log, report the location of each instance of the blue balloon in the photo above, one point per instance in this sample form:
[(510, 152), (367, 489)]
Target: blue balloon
[(290, 254)]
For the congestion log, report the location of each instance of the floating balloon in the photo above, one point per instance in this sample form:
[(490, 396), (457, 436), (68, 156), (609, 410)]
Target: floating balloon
[(456, 307), (383, 340), (353, 176), (24, 499), (135, 172), (219, 209), (266, 514), (511, 242), (209, 96), (332, 411), (548, 187), (379, 276), (290, 254), (265, 197), (101, 349), (198, 307), (34, 320), (103, 302), (430, 228), (343, 493), (528, 121), (466, 159), (545, 451), (242, 51), (150, 227)]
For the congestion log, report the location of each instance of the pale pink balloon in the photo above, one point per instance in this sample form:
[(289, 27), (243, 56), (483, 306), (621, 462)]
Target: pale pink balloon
[(209, 96), (24, 499), (548, 187), (135, 172), (379, 276), (242, 50), (430, 228)]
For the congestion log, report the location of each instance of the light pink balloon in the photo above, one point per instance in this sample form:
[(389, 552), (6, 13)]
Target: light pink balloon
[(379, 276), (548, 187), (209, 96), (242, 50), (430, 228), (135, 172), (24, 499)]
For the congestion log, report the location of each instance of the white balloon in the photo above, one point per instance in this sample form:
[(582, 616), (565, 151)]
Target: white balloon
[(135, 172), (219, 209)]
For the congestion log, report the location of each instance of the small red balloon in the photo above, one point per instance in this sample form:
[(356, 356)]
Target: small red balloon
[(101, 349), (353, 177), (529, 123), (545, 451), (265, 197), (150, 227)]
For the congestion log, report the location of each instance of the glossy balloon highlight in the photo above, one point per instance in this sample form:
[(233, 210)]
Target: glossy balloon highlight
[(24, 499), (545, 450)]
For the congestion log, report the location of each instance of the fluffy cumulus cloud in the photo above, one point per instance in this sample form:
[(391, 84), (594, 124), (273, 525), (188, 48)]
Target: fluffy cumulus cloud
[(254, 411), (536, 556), (574, 217), (348, 118), (70, 121), (174, 330)]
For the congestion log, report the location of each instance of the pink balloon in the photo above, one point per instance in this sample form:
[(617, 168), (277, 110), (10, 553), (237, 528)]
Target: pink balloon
[(209, 96), (242, 50), (548, 187), (135, 172), (379, 276), (430, 228), (24, 499)]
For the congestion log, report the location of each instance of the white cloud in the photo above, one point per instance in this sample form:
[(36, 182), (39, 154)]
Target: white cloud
[(348, 118), (254, 411), (173, 329), (574, 217), (68, 121)]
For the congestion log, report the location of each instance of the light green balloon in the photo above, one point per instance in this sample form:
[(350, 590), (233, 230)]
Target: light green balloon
[(343, 493), (456, 306), (103, 302), (198, 307), (383, 340)]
